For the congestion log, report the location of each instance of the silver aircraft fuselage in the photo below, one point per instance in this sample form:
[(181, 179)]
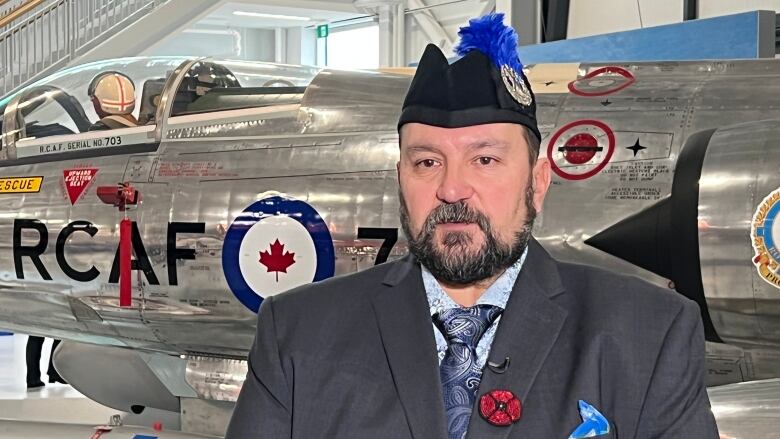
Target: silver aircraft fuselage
[(660, 171)]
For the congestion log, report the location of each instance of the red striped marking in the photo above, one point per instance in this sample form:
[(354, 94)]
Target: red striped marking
[(122, 103)]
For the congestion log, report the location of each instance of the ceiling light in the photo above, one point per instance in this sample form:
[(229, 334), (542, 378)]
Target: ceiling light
[(277, 16)]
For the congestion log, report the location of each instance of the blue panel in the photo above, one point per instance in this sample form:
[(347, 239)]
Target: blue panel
[(2, 333), (728, 37)]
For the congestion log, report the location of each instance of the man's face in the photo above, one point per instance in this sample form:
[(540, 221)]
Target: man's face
[(468, 197)]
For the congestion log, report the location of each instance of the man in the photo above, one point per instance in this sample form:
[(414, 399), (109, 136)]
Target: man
[(479, 333), (113, 96)]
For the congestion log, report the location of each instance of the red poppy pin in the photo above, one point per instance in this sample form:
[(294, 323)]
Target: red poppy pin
[(500, 407)]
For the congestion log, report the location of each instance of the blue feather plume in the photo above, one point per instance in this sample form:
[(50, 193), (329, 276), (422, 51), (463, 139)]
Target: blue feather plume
[(489, 35)]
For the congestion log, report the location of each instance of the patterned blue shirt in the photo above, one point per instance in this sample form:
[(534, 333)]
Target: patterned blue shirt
[(497, 295)]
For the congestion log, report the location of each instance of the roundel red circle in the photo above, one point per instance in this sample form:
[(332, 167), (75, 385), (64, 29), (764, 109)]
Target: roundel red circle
[(615, 79), (580, 147)]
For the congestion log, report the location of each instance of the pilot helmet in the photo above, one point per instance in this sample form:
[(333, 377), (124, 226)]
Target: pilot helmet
[(203, 78), (114, 93), (205, 82)]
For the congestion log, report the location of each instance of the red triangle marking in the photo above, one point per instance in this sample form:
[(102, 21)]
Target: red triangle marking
[(77, 180)]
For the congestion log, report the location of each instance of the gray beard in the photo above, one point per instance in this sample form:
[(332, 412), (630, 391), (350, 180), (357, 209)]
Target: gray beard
[(456, 264)]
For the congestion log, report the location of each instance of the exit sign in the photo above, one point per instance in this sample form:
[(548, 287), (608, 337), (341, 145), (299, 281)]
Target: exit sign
[(322, 31)]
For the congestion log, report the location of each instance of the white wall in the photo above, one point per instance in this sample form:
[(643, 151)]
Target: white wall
[(451, 17), (594, 17), (301, 46), (219, 43), (231, 43), (259, 45), (713, 8)]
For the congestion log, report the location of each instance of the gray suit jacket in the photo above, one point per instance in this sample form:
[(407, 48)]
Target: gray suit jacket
[(355, 357)]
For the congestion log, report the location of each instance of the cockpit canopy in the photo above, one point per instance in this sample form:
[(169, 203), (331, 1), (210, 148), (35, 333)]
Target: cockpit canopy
[(175, 99), (60, 104)]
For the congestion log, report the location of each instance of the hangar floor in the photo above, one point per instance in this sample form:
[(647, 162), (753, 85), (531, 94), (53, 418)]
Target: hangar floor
[(55, 402), (52, 403)]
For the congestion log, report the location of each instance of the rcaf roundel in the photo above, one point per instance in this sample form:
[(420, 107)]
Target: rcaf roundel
[(276, 244)]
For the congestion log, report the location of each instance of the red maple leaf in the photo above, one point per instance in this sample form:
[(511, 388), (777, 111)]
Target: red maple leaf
[(275, 260)]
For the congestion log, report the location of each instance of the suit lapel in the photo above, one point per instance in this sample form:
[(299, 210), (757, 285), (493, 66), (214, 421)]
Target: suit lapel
[(528, 328), (404, 321)]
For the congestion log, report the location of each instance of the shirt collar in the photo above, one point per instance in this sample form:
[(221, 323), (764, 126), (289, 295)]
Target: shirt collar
[(497, 294)]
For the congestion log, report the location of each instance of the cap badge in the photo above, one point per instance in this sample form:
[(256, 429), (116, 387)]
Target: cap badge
[(515, 85)]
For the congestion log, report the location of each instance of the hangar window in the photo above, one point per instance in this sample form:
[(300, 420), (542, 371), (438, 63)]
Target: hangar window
[(343, 43)]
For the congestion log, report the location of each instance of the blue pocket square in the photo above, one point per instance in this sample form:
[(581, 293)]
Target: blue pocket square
[(593, 423)]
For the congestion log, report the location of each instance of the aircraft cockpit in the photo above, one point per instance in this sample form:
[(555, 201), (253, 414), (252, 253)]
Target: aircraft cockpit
[(208, 86), (53, 116)]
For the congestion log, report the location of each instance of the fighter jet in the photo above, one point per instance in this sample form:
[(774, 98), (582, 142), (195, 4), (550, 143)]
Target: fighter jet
[(150, 248)]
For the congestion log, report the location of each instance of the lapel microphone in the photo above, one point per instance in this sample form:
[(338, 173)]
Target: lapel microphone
[(499, 368)]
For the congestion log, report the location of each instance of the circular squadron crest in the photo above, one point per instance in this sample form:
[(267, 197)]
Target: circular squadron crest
[(764, 236)]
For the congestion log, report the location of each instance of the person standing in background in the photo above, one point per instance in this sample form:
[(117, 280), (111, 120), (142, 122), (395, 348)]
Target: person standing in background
[(34, 347)]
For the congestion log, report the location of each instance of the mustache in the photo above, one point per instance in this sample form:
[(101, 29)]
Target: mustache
[(459, 212)]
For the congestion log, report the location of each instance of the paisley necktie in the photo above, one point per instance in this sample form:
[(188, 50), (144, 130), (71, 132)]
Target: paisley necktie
[(460, 375)]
